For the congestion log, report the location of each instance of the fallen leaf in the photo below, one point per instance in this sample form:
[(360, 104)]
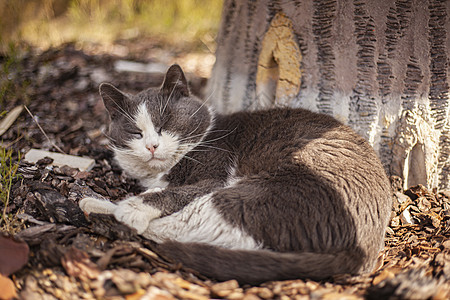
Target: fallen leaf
[(7, 288), (13, 255), (10, 118)]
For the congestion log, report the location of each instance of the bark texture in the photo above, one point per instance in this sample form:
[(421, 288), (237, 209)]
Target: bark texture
[(379, 66)]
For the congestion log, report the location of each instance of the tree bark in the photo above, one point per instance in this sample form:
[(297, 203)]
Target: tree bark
[(379, 66)]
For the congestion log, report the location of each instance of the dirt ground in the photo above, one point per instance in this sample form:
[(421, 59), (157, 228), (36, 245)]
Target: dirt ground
[(72, 257)]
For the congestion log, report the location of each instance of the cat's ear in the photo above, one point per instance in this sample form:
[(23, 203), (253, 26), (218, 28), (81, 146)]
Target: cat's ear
[(113, 98), (175, 82)]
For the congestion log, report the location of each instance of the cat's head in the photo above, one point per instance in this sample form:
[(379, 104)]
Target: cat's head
[(151, 131)]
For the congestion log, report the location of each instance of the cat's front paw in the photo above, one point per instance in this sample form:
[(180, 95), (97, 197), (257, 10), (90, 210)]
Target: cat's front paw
[(100, 206), (136, 214), (154, 190)]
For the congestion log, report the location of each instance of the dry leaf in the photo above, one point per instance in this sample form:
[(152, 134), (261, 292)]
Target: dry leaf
[(7, 288), (10, 118), (13, 255)]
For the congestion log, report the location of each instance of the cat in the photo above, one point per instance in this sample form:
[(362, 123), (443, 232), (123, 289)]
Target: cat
[(254, 196)]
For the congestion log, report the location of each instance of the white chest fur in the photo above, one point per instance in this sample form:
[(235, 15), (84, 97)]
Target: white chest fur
[(155, 182)]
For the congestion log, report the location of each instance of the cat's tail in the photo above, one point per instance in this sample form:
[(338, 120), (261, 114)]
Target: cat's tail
[(257, 266)]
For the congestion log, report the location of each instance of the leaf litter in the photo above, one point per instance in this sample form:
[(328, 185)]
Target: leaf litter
[(75, 257)]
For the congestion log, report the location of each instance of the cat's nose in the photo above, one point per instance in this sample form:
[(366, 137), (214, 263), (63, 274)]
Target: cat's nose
[(152, 148)]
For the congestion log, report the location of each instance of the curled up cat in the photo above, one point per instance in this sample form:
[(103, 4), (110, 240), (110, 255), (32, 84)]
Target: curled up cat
[(255, 196)]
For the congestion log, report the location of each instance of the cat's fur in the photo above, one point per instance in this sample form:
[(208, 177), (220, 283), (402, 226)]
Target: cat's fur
[(255, 196)]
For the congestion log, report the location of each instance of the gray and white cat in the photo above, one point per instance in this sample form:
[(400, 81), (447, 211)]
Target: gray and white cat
[(253, 196)]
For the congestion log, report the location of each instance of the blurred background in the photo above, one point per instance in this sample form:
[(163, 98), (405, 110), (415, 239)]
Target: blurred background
[(124, 28), (46, 23)]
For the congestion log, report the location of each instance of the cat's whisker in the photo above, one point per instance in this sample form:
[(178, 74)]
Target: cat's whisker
[(198, 125), (126, 151), (220, 137), (206, 150), (114, 148), (190, 138), (109, 137), (198, 150), (203, 104), (121, 110), (193, 159), (170, 95), (200, 134), (212, 147), (160, 105), (121, 150), (194, 146)]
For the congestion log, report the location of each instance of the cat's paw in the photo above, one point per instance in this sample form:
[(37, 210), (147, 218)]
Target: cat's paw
[(136, 214), (99, 206), (154, 190)]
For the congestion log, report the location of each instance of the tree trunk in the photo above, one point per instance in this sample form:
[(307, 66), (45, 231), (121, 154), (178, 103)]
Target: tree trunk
[(379, 66)]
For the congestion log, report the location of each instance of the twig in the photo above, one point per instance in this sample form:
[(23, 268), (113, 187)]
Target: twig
[(10, 144), (42, 130)]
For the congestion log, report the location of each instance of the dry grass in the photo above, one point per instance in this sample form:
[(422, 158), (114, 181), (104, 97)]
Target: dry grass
[(8, 175)]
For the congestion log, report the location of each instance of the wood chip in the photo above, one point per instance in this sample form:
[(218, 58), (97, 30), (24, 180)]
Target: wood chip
[(250, 297), (387, 273), (154, 293), (261, 292), (147, 253), (77, 264), (446, 244), (224, 289), (59, 159)]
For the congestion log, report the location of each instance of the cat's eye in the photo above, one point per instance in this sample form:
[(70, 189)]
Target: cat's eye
[(163, 123), (136, 134)]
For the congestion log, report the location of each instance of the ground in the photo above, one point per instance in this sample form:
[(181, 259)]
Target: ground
[(72, 257)]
